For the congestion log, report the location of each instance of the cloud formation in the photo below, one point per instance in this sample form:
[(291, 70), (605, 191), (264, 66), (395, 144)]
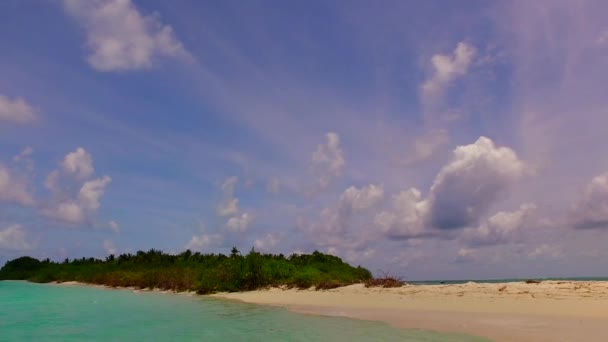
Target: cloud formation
[(14, 238), (109, 247), (119, 37), (16, 110), (328, 160), (445, 69), (502, 227), (230, 204), (239, 224), (335, 229), (203, 242), (78, 163), (266, 243), (14, 188), (407, 217), (78, 207), (474, 179), (591, 211), (462, 192)]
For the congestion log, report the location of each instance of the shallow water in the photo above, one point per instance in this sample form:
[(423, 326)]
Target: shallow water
[(36, 312)]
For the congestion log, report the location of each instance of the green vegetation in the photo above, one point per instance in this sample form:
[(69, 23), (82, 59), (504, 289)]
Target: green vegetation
[(203, 273)]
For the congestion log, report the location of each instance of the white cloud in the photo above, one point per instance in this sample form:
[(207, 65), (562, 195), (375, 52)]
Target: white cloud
[(474, 179), (274, 186), (67, 206), (502, 227), (591, 211), (92, 191), (266, 243), (407, 218), (13, 188), (16, 111), (461, 193), (78, 163), (230, 204), (343, 225), (109, 247), (14, 238), (114, 226), (239, 224), (328, 160), (447, 68), (119, 37), (68, 211), (228, 207), (201, 242), (363, 198)]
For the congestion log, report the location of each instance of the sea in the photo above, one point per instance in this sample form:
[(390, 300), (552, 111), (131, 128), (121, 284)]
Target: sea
[(496, 281), (51, 312)]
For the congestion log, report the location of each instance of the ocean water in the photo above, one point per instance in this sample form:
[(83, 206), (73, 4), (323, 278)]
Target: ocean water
[(37, 312), (494, 281)]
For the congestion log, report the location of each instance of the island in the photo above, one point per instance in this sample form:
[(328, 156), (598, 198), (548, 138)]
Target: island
[(188, 271)]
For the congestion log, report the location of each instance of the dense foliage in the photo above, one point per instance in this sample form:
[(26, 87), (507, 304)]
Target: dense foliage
[(203, 273)]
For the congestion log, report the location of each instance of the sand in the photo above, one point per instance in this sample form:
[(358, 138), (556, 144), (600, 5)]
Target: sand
[(549, 311)]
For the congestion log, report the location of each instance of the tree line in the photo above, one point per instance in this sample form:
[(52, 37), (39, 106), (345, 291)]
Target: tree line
[(188, 271)]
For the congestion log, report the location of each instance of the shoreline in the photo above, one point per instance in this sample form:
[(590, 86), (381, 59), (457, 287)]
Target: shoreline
[(549, 311)]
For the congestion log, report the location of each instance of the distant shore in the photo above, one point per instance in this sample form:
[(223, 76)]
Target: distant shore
[(515, 311)]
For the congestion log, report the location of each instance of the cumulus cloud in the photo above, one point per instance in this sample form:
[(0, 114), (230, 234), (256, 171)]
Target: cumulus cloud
[(119, 37), (362, 198), (328, 160), (230, 204), (74, 171), (14, 238), (446, 68), (13, 188), (502, 227), (407, 218), (334, 227), (239, 224), (78, 163), (16, 110), (474, 179), (114, 226), (204, 241), (591, 211), (266, 243), (462, 192), (109, 247)]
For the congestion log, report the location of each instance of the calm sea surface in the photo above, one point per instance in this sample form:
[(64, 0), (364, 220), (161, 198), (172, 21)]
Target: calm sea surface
[(35, 312)]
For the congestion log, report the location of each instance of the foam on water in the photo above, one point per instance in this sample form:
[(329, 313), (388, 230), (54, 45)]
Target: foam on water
[(35, 312)]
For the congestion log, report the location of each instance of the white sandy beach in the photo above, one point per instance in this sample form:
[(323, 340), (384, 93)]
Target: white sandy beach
[(549, 311)]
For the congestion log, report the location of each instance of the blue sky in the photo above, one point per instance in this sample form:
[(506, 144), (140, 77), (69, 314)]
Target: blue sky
[(426, 140)]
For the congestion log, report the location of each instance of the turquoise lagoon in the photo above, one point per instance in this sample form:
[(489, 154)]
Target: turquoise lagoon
[(37, 312)]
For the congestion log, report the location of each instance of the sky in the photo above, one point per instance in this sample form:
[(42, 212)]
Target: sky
[(427, 140)]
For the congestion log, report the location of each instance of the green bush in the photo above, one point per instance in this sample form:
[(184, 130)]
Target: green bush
[(203, 273)]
